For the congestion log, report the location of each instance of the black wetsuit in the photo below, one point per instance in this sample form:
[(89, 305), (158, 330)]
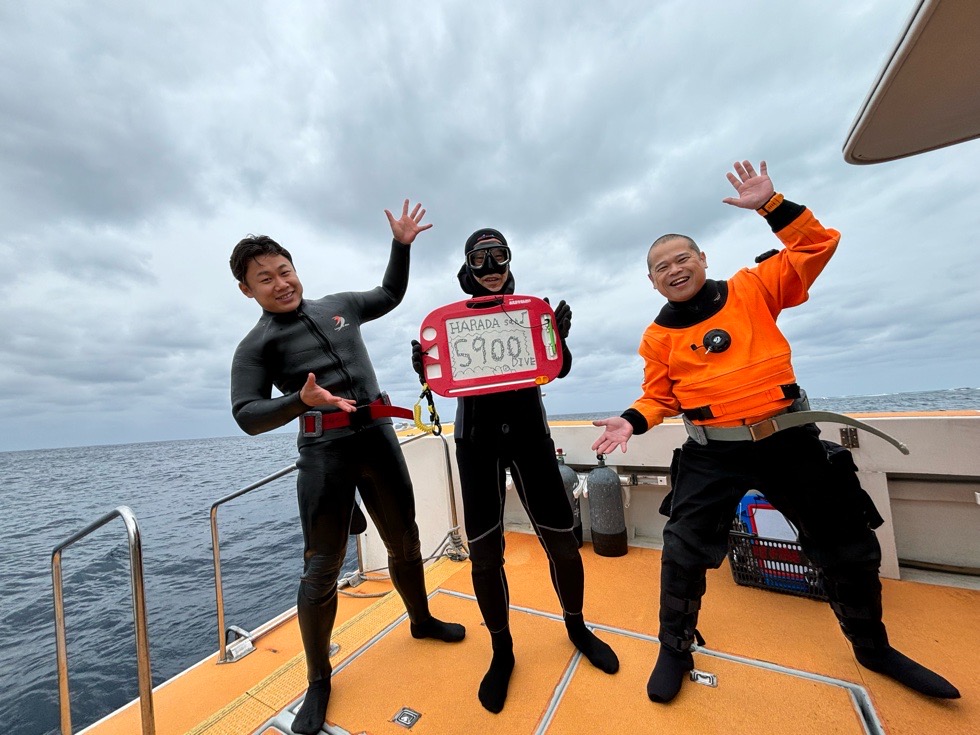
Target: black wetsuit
[(492, 433), (323, 337), (510, 429)]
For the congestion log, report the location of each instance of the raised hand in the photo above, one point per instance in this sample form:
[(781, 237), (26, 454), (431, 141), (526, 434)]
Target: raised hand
[(408, 226), (617, 433), (563, 318), (754, 189), (313, 395)]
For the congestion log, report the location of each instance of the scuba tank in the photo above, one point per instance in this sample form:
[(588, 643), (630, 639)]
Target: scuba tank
[(569, 478), (606, 512)]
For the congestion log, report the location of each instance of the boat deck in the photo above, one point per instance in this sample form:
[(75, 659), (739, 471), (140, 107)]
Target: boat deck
[(780, 663)]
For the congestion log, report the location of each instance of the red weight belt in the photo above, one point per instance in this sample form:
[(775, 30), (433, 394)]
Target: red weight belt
[(314, 423)]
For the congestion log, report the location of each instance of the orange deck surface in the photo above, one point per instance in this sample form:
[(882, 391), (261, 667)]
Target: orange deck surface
[(440, 680)]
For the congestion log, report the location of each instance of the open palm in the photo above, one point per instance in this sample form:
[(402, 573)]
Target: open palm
[(754, 189), (408, 225)]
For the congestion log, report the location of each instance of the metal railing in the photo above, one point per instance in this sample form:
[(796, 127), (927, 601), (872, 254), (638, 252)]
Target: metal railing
[(216, 552), (139, 618), (452, 540), (451, 544), (450, 485)]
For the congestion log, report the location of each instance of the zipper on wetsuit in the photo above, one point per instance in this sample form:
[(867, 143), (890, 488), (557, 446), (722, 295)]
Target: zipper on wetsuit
[(327, 348)]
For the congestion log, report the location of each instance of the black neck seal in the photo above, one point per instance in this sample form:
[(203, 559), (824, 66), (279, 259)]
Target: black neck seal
[(704, 304)]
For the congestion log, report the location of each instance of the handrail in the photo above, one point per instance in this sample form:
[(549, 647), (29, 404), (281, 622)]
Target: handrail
[(453, 535), (452, 538), (139, 618), (449, 474), (216, 552)]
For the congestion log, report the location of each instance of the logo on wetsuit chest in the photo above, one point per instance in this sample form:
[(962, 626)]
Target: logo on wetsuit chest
[(340, 322)]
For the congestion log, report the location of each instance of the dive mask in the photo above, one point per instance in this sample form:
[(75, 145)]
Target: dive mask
[(489, 260)]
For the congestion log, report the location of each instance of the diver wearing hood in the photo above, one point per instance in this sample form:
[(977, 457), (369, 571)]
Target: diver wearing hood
[(486, 272), (486, 254), (510, 430)]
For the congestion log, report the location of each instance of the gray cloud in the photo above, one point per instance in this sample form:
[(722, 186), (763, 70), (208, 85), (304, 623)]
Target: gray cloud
[(138, 144)]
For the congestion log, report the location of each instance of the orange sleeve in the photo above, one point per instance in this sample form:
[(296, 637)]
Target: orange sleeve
[(785, 279), (658, 401)]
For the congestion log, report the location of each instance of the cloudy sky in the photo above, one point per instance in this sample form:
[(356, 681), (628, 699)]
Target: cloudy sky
[(139, 142)]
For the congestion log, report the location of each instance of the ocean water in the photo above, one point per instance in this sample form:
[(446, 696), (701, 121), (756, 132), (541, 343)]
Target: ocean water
[(47, 495), (927, 400)]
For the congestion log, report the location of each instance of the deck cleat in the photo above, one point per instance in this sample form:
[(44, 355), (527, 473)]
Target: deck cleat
[(239, 644), (703, 677)]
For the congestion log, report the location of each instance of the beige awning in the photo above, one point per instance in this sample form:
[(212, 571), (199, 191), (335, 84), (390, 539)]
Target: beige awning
[(928, 94)]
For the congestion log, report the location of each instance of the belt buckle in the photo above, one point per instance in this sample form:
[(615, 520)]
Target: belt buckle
[(311, 424), (763, 429), (360, 417), (696, 432)]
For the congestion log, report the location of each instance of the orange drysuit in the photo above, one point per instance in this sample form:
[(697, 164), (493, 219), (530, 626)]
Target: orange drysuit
[(743, 383), (811, 482)]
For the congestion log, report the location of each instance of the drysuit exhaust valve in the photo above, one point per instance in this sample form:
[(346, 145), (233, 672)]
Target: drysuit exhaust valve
[(717, 340)]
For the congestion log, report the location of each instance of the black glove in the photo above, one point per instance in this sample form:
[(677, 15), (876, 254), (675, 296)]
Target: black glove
[(417, 359), (563, 318)]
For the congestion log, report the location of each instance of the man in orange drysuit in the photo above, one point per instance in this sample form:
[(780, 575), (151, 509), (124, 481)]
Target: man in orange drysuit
[(715, 354)]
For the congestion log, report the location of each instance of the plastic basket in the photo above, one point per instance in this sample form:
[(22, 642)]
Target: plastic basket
[(773, 564)]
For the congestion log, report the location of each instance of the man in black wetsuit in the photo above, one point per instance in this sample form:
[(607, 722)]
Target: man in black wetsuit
[(313, 353), (510, 429)]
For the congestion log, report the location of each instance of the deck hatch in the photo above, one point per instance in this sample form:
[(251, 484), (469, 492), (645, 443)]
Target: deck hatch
[(406, 717)]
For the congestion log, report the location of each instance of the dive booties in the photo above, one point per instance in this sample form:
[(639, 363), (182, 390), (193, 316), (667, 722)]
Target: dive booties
[(668, 674), (493, 687), (596, 650), (904, 670), (681, 591), (855, 597), (313, 712), (438, 630)]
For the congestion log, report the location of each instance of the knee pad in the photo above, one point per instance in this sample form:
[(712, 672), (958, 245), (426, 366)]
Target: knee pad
[(560, 545), (411, 546), (692, 550), (486, 554), (319, 580), (861, 553)]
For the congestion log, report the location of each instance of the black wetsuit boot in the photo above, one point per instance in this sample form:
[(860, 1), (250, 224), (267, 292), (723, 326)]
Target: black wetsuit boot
[(680, 600), (493, 687), (316, 609), (490, 585), (855, 597), (408, 579), (568, 579)]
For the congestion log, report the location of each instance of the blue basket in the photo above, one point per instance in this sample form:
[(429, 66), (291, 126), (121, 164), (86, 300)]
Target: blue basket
[(777, 564)]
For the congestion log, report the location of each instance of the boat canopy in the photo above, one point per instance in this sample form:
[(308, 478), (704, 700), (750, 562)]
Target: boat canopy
[(927, 96)]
